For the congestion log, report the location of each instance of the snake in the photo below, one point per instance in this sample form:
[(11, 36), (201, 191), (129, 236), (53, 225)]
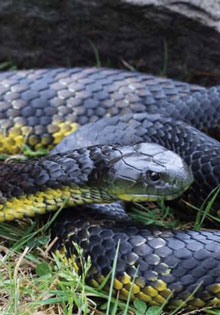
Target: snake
[(127, 119)]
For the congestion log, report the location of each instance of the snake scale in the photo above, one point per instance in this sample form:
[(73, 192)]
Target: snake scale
[(41, 107)]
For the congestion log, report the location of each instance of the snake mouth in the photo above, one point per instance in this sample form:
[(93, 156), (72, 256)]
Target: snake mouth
[(153, 197), (143, 198)]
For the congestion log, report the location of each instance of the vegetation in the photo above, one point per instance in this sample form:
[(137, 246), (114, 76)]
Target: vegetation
[(34, 282)]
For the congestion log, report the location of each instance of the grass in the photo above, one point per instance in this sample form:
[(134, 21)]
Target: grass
[(33, 282), (7, 65), (164, 71), (96, 54)]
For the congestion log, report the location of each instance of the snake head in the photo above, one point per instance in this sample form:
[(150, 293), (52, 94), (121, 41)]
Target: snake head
[(145, 172)]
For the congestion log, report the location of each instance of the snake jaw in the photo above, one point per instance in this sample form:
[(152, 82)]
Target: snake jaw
[(148, 197), (145, 198)]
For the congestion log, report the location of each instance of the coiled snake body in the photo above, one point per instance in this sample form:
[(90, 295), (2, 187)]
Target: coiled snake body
[(42, 107)]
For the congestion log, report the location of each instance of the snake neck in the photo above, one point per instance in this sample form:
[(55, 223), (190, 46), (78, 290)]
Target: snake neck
[(46, 184)]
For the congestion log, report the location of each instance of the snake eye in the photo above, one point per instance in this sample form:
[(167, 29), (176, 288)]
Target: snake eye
[(153, 176)]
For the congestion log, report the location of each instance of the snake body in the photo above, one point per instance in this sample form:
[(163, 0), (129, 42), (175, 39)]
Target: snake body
[(40, 107), (88, 175), (152, 264), (198, 150)]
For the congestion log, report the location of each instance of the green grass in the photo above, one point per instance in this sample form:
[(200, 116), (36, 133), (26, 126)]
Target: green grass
[(165, 61), (32, 282), (7, 65), (96, 54)]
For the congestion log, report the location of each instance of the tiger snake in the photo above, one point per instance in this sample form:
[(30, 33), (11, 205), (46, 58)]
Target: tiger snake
[(126, 111)]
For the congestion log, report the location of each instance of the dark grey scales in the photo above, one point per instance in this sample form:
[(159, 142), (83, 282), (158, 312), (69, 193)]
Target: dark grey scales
[(62, 169), (186, 261), (198, 150), (87, 94), (110, 170), (162, 107)]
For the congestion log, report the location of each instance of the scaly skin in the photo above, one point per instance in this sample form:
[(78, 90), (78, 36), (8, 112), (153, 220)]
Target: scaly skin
[(182, 265), (41, 107), (90, 175), (198, 150)]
